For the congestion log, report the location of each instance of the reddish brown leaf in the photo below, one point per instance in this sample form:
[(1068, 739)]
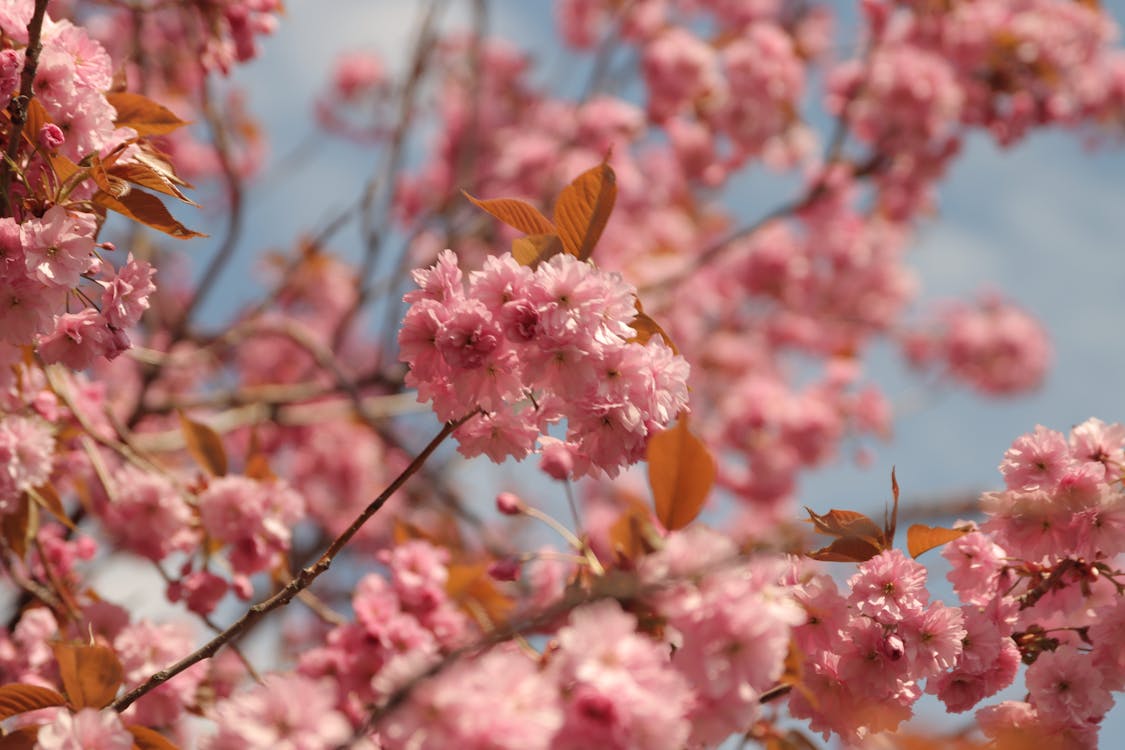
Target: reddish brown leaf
[(535, 248), (889, 527), (515, 213), (258, 467), (205, 446), (145, 176), (20, 526), (19, 698), (48, 498), (921, 538), (471, 587), (149, 739), (680, 471), (583, 208), (91, 674), (646, 328), (847, 523), (143, 114), (24, 738), (629, 535), (847, 549), (37, 117), (147, 209)]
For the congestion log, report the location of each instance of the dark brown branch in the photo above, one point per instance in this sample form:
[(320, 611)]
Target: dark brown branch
[(17, 107)]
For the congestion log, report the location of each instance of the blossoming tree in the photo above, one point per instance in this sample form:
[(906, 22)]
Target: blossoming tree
[(558, 280)]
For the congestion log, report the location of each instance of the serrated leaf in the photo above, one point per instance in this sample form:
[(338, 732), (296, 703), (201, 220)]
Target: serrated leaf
[(20, 698), (514, 212), (142, 114), (535, 248), (205, 446), (145, 176), (147, 209), (91, 674), (922, 538), (681, 471), (583, 208), (149, 739)]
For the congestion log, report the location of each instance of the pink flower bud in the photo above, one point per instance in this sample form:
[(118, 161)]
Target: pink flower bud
[(507, 569), (509, 504), (51, 136)]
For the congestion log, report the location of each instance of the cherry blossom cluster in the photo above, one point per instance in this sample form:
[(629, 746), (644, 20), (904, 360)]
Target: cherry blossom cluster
[(57, 291), (606, 681), (531, 348), (867, 653), (827, 278), (1039, 582), (993, 346)]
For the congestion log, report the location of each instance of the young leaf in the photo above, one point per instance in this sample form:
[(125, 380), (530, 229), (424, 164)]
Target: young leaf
[(37, 117), (847, 523), (633, 533), (515, 213), (49, 499), (646, 328), (20, 698), (889, 527), (149, 739), (469, 585), (846, 549), (583, 208), (858, 537), (205, 446), (680, 471), (535, 248), (90, 675), (147, 209), (18, 527), (145, 176), (921, 538), (24, 738), (143, 114)]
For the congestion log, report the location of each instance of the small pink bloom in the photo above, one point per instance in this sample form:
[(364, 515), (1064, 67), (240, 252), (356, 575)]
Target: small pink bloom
[(51, 136), (89, 729), (126, 297), (79, 339), (59, 247), (1066, 689)]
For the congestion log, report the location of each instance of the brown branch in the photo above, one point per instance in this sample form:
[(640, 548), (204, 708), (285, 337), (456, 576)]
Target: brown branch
[(17, 107), (300, 582)]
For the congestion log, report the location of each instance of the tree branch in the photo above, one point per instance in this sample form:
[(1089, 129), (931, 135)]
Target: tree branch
[(301, 582), (17, 107)]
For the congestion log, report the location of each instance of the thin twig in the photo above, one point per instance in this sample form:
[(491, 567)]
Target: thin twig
[(299, 583), (234, 225)]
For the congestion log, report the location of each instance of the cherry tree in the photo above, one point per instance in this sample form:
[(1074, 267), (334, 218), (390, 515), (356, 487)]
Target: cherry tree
[(567, 279)]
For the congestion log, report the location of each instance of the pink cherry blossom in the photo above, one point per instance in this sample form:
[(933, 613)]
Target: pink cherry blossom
[(89, 729)]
